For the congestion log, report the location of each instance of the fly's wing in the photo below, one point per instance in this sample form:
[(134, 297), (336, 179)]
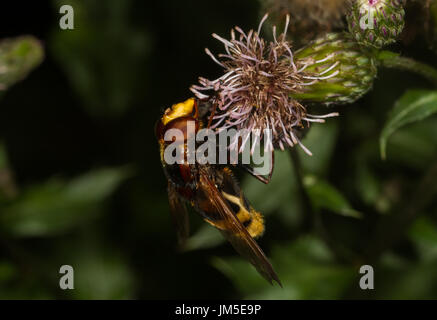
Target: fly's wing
[(179, 215), (235, 232)]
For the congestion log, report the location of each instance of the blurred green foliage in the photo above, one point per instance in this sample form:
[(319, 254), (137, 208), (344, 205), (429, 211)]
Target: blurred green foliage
[(305, 265), (102, 55), (17, 57), (81, 182), (36, 211)]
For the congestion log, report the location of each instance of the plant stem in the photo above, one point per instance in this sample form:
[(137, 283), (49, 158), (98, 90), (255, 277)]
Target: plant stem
[(393, 60)]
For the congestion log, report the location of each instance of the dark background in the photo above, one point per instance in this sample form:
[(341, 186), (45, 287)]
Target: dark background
[(49, 132), (93, 103)]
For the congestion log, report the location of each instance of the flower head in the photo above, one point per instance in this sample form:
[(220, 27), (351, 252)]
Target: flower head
[(254, 92)]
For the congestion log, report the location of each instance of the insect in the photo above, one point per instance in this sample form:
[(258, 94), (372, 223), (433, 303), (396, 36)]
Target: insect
[(211, 190)]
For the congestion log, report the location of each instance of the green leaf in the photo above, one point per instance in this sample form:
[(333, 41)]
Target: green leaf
[(414, 105), (415, 146), (56, 205), (18, 56), (325, 196)]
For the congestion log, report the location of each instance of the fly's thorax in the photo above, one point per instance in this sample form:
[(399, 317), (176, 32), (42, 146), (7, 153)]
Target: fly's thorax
[(180, 116), (180, 110)]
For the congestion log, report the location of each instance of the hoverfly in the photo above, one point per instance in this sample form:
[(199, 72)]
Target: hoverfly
[(211, 190)]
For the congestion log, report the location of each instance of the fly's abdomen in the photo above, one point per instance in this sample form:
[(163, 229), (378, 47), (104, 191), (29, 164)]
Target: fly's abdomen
[(251, 219)]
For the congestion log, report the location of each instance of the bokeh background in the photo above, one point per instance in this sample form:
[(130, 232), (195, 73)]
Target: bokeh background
[(81, 182)]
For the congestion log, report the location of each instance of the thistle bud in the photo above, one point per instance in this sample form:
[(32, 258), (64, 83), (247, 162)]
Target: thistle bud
[(376, 23), (336, 68)]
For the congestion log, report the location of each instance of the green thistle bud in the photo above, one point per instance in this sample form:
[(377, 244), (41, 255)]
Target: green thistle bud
[(376, 23), (336, 68)]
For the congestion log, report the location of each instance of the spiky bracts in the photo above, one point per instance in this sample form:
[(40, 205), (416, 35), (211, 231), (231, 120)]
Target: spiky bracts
[(255, 91), (376, 23), (345, 71)]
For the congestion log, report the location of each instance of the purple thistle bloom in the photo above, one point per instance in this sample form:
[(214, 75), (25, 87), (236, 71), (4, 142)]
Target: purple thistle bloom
[(254, 92)]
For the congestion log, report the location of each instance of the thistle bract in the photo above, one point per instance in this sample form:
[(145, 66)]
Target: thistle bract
[(336, 68), (376, 23)]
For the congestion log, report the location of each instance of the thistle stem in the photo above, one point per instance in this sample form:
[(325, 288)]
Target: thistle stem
[(393, 60)]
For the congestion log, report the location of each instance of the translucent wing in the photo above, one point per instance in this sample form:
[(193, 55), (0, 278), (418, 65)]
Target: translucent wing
[(179, 214), (235, 232)]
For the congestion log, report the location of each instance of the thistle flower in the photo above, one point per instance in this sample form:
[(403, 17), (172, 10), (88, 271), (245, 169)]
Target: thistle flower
[(309, 18), (376, 23), (254, 92)]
